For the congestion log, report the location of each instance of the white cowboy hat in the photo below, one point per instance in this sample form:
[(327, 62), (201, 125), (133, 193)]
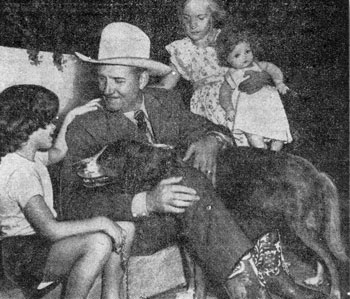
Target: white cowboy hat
[(125, 44)]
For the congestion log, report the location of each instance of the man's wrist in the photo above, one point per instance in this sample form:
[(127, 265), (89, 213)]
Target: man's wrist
[(139, 205)]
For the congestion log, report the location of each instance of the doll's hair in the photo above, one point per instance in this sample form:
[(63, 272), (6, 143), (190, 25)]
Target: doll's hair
[(218, 13), (229, 38), (23, 110)]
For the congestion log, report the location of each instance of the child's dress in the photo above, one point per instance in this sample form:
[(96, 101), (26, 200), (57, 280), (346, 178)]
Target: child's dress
[(261, 113), (200, 66)]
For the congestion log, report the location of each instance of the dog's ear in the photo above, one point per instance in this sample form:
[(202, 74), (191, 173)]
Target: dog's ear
[(112, 160)]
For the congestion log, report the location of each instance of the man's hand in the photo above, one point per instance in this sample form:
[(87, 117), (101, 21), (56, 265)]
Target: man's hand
[(256, 81), (205, 152), (169, 197)]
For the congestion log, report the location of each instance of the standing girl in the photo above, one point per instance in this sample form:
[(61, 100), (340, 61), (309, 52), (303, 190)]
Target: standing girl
[(257, 118), (194, 58), (39, 251)]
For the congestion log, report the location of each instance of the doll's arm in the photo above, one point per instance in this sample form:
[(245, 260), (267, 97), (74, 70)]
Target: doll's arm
[(276, 75)]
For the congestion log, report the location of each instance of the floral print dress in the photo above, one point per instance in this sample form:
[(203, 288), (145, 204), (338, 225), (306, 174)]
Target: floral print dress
[(200, 66)]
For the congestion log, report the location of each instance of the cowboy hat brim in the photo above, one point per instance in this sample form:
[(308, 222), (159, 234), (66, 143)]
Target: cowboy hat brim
[(154, 67)]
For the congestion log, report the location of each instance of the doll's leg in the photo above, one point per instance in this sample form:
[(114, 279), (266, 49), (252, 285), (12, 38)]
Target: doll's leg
[(276, 145), (113, 272), (256, 141)]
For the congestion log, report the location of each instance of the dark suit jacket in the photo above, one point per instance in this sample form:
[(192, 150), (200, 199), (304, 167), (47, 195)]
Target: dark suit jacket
[(172, 124)]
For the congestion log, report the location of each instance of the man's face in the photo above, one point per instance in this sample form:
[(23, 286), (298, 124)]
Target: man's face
[(121, 87)]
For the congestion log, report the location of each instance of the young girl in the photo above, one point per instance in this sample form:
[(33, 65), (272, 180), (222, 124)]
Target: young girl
[(260, 117), (194, 58), (38, 250)]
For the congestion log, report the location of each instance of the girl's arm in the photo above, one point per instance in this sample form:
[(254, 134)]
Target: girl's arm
[(225, 98), (170, 80), (59, 149), (41, 218)]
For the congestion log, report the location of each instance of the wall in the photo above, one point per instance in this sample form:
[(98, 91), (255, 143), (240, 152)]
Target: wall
[(74, 83)]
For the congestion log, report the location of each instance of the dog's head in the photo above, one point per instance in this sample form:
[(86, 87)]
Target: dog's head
[(127, 163)]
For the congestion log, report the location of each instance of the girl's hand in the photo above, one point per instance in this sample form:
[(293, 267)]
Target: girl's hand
[(116, 233), (255, 81), (90, 106), (282, 88), (230, 115)]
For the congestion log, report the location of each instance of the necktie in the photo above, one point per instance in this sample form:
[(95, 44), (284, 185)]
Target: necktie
[(140, 118)]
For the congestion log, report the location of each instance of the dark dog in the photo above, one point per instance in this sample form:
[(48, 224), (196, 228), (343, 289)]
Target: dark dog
[(284, 190)]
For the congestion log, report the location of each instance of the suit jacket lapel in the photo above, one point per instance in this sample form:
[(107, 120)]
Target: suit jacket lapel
[(165, 127)]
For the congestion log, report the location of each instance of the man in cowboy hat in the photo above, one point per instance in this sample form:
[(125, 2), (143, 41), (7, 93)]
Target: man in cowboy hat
[(186, 205)]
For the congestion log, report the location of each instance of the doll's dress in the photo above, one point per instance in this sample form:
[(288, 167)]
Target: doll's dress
[(261, 113), (200, 66)]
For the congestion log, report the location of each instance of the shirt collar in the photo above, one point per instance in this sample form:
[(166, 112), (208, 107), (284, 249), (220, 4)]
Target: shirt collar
[(130, 114)]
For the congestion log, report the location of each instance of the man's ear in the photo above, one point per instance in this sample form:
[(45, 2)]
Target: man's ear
[(143, 80)]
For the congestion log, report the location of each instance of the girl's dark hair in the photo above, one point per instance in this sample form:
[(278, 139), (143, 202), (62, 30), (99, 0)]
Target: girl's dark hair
[(216, 7), (23, 110), (229, 38)]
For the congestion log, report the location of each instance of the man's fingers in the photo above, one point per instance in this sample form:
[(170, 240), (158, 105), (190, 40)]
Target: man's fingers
[(182, 190), (189, 152), (213, 177), (197, 163), (176, 210), (181, 203), (185, 197), (177, 188), (169, 181)]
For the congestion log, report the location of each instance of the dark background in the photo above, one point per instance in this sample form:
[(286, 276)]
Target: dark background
[(308, 39)]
